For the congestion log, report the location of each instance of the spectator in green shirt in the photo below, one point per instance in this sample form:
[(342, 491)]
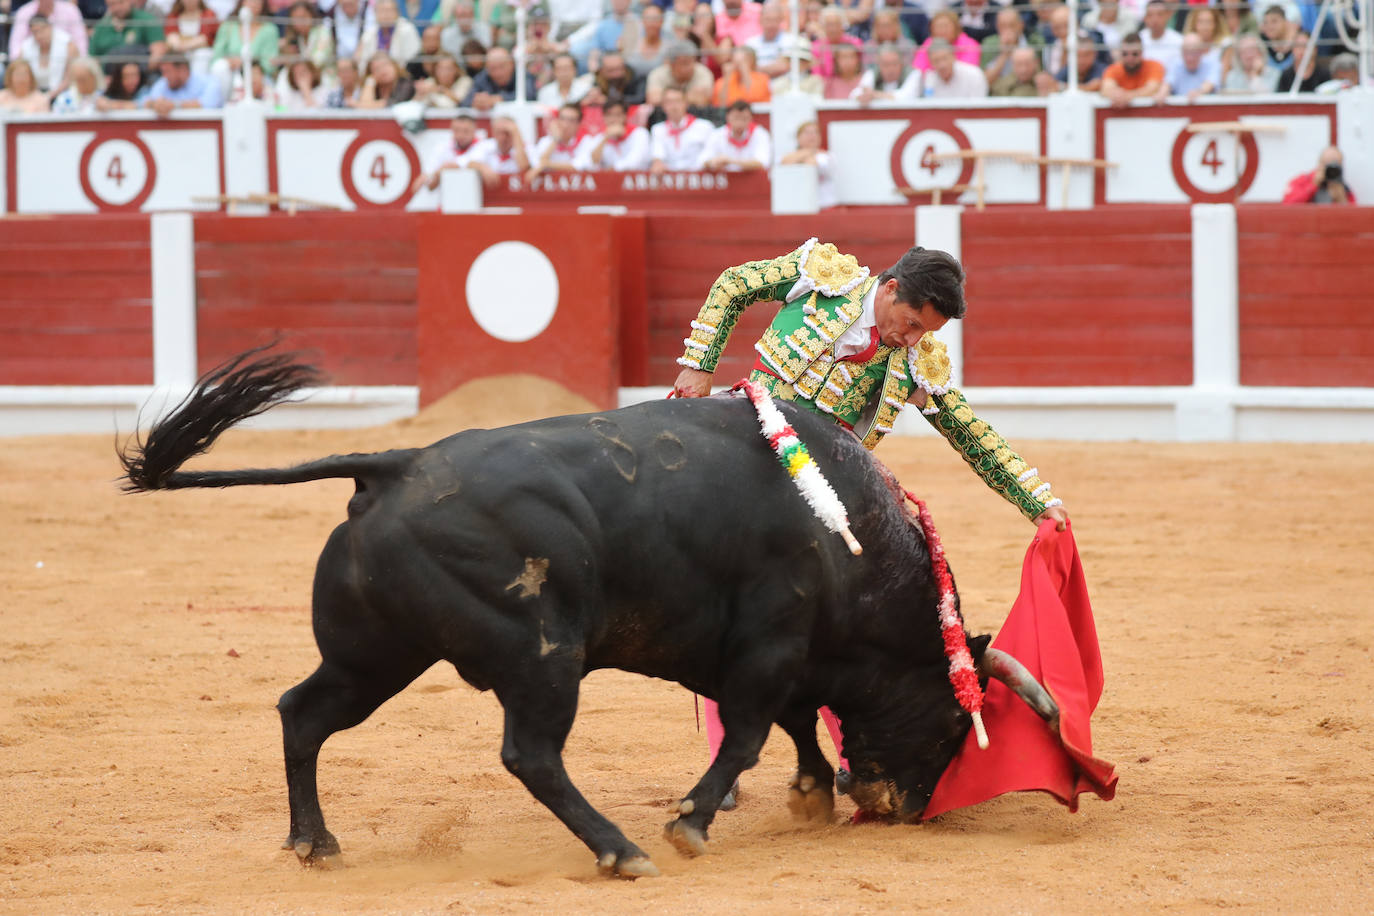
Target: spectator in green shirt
[(228, 54), (126, 32)]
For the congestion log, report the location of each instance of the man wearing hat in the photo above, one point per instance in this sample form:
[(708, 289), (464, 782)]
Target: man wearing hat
[(809, 83)]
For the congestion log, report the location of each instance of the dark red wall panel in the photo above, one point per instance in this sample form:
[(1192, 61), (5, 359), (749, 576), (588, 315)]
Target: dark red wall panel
[(1095, 297), (340, 286), (1306, 295), (75, 301)]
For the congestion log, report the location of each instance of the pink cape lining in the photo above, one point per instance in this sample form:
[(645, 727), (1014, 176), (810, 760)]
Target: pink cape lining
[(1051, 631)]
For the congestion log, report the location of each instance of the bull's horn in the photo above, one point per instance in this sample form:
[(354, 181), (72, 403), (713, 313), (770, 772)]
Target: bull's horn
[(998, 664)]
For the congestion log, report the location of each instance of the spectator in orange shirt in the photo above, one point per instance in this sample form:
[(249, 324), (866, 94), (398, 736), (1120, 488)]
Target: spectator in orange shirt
[(741, 82), (1133, 77)]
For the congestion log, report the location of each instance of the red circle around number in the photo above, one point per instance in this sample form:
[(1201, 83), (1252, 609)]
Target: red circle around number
[(1243, 181), (352, 190), (83, 172), (933, 121)]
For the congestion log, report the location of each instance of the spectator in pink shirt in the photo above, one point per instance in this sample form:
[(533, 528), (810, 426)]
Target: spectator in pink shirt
[(64, 16), (945, 24), (739, 21), (833, 25)]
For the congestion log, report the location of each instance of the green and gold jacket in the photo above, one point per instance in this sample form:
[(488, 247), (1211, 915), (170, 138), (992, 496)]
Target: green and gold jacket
[(798, 350)]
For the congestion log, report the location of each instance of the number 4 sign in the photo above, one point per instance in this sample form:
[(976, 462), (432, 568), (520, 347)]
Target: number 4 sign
[(1215, 163), (377, 173), (117, 174)]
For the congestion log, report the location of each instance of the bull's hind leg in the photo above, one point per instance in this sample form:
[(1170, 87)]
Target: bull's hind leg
[(810, 792), (540, 707), (332, 699)]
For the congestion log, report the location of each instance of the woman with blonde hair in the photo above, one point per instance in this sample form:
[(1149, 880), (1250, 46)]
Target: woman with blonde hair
[(447, 87), (83, 88), (21, 94), (1211, 27), (809, 152), (385, 85)]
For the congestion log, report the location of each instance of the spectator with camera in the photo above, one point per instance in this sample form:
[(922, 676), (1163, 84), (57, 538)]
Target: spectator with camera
[(1323, 185)]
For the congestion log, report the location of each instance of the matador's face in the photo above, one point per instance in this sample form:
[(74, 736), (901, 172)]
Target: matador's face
[(901, 324)]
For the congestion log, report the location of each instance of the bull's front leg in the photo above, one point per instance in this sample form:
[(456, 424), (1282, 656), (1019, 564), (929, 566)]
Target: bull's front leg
[(540, 708), (810, 792)]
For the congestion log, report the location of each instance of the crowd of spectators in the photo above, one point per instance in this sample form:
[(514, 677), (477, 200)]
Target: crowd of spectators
[(82, 56)]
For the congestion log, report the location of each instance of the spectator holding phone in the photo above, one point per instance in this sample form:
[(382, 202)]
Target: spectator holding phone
[(1323, 185)]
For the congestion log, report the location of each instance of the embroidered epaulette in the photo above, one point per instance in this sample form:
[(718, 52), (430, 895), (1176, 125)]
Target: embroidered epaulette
[(828, 271), (929, 361)]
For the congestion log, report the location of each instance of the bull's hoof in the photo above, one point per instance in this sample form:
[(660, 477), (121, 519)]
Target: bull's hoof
[(731, 799), (688, 839), (809, 801), (843, 781), (321, 852), (630, 867)]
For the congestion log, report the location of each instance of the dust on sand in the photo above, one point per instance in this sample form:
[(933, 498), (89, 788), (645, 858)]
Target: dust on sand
[(140, 755)]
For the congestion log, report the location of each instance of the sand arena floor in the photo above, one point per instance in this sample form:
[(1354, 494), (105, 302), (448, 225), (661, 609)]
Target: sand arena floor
[(140, 754)]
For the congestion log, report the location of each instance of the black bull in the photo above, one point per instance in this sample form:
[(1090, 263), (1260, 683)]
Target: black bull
[(663, 539)]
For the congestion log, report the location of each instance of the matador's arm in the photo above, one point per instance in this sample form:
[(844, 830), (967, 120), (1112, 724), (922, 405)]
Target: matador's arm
[(735, 290), (980, 445), (989, 454)]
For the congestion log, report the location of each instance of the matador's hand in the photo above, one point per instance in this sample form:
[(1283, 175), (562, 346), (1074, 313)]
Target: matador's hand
[(1058, 513), (692, 383)]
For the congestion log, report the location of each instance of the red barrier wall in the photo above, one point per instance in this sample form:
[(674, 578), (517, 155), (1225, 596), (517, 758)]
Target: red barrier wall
[(341, 284), (1306, 295), (75, 301), (1093, 297), (685, 254), (578, 346)]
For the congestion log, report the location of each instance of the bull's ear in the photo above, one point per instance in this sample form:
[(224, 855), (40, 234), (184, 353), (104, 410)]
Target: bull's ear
[(976, 646)]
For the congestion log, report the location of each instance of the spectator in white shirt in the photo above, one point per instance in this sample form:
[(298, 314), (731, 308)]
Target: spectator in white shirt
[(621, 148), (1161, 43), (47, 50), (741, 145), (559, 150), (391, 33), (887, 78), (566, 86), (809, 152), (349, 19), (771, 42), (678, 139), (503, 153), (456, 155), (65, 17), (948, 78)]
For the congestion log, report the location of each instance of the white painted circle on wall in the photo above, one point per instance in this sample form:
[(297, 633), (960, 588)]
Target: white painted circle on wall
[(117, 172), (512, 291), (380, 171), (922, 168)]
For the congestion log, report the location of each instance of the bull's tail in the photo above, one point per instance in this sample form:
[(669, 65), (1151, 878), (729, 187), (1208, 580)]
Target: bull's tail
[(243, 387)]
